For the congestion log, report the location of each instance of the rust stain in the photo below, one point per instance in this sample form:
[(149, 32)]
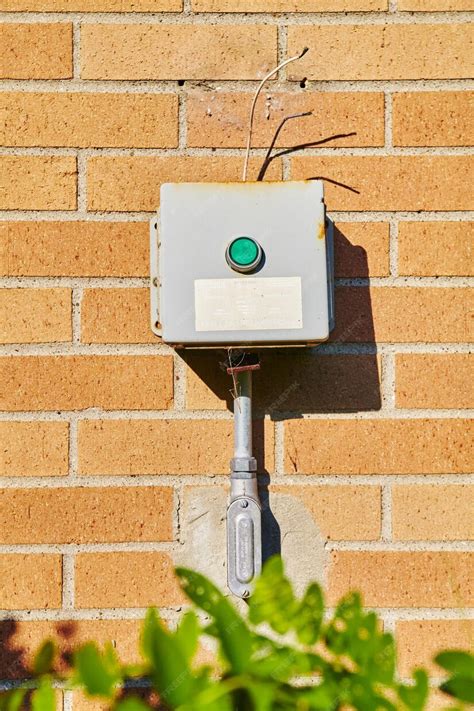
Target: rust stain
[(321, 231)]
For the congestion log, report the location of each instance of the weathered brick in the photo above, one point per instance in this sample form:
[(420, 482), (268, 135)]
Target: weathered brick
[(418, 641), (361, 249), (35, 315), (420, 446), (435, 6), (385, 51), (125, 580), (436, 248), (25, 637), (187, 51), (299, 383), (403, 579), (221, 120), (86, 515), (38, 183), (92, 5), (437, 512), (343, 513), (116, 316), (425, 380), (433, 118), (80, 382), (133, 183), (288, 5), (45, 455), (83, 249), (86, 120), (36, 51), (134, 447), (421, 182), (403, 314), (30, 581)]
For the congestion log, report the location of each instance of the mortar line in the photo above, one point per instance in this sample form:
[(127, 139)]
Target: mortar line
[(393, 248), (386, 511), (68, 574), (73, 457), (76, 299), (180, 382), (76, 50), (157, 481), (388, 121), (235, 85), (183, 19), (279, 448)]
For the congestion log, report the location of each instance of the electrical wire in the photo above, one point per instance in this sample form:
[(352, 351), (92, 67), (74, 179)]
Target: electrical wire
[(252, 109)]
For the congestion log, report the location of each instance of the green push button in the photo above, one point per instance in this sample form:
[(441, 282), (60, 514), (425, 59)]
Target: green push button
[(244, 254)]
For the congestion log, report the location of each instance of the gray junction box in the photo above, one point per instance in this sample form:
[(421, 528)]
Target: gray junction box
[(242, 264)]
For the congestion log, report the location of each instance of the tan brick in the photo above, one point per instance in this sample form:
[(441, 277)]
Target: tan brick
[(38, 183), (421, 182), (418, 642), (36, 51), (92, 5), (434, 381), (30, 581), (134, 447), (299, 383), (86, 515), (86, 120), (133, 183), (187, 51), (435, 6), (403, 314), (429, 118), (287, 5), (436, 248), (125, 580), (23, 638), (361, 249), (386, 51), (88, 249), (403, 579), (438, 512), (343, 513), (116, 316), (80, 382), (35, 315), (221, 120), (420, 446), (45, 455)]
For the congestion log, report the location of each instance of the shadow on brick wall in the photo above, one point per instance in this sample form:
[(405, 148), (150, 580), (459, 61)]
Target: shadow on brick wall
[(295, 382)]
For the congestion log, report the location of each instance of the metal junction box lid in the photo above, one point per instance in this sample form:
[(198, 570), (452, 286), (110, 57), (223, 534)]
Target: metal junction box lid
[(242, 264)]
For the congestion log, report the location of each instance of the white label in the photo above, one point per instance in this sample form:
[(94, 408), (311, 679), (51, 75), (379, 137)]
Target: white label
[(248, 304)]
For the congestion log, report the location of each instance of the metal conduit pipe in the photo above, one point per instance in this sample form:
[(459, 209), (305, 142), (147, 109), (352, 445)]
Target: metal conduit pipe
[(244, 544)]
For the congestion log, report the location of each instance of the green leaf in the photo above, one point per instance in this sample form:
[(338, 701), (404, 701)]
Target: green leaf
[(415, 696), (234, 636), (309, 615), (12, 700), (187, 634), (44, 658), (169, 670), (460, 687), (456, 661), (96, 672), (273, 601), (131, 703), (43, 698)]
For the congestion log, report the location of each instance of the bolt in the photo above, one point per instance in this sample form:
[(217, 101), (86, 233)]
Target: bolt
[(245, 593), (155, 282), (244, 503)]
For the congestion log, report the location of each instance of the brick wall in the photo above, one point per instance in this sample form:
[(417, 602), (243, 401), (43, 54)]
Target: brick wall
[(111, 442)]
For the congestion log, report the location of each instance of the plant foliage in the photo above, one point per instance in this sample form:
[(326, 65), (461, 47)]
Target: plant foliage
[(283, 655)]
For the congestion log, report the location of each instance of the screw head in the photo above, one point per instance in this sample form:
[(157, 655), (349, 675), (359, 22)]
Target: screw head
[(244, 503), (245, 593)]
